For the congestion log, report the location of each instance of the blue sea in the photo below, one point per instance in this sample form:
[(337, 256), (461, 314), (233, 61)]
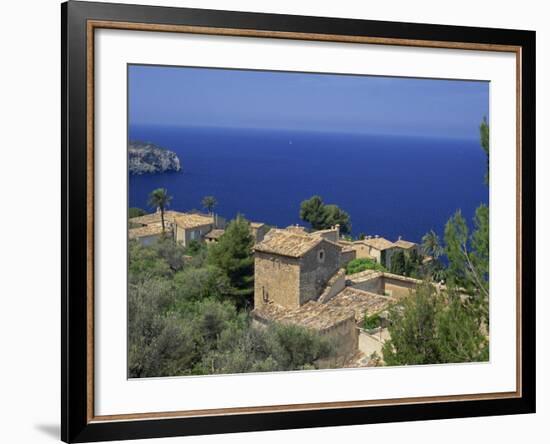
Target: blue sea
[(390, 185)]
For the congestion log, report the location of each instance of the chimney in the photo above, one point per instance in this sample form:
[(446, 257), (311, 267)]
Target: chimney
[(399, 238)]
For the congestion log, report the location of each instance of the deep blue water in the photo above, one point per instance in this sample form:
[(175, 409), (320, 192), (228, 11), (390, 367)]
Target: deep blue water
[(389, 185)]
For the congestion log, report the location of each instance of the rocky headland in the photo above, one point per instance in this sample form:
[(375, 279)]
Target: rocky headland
[(146, 158)]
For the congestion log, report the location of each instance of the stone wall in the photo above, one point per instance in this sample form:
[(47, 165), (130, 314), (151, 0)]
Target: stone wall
[(398, 288), (259, 233), (332, 234), (374, 285), (345, 337), (347, 256), (276, 278), (317, 271), (361, 250)]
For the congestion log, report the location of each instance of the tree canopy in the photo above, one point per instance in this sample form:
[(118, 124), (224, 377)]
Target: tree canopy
[(431, 328), (321, 216), (233, 255)]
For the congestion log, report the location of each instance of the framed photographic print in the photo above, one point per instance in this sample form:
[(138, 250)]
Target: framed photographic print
[(276, 221)]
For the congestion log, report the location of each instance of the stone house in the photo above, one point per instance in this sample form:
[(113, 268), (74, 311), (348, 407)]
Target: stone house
[(292, 268), (182, 227), (379, 248), (407, 246)]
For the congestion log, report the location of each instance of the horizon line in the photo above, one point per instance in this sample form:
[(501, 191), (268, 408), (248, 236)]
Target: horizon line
[(301, 130)]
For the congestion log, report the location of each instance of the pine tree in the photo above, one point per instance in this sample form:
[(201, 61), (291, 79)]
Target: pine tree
[(233, 255), (313, 211), (432, 328), (413, 329), (322, 216), (336, 216)]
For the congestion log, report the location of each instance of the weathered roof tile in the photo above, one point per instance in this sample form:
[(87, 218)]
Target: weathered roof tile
[(287, 243)]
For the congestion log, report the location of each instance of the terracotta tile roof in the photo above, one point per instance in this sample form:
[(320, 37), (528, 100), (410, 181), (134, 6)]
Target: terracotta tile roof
[(379, 243), (360, 301), (183, 220), (214, 234), (147, 230), (349, 304), (256, 224), (310, 315), (287, 243), (406, 245)]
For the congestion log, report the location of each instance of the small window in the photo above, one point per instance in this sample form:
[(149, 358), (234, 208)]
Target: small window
[(265, 295), (321, 256)]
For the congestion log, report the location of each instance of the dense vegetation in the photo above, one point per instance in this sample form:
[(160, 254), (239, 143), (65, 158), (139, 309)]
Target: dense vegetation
[(188, 313), (407, 263), (430, 327)]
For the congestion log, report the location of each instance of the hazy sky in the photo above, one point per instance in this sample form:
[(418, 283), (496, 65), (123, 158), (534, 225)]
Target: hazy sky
[(322, 102)]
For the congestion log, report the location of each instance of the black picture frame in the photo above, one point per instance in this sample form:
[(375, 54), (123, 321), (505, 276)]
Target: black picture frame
[(76, 424)]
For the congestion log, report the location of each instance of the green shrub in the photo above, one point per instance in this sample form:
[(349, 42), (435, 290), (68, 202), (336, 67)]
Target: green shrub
[(358, 265), (135, 212), (371, 322)]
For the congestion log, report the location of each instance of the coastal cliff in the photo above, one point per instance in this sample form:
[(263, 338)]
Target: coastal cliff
[(144, 158)]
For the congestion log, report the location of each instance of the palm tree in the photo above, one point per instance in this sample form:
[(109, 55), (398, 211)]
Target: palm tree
[(432, 245), (209, 202), (160, 199)]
